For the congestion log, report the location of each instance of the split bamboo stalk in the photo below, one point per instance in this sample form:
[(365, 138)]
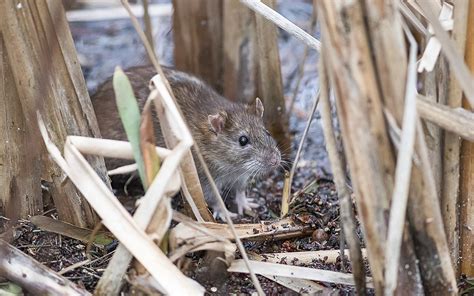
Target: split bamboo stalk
[(270, 84), (37, 33), (452, 143), (466, 201)]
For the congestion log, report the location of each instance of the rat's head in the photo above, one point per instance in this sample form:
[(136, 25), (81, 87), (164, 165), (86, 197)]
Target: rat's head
[(244, 148)]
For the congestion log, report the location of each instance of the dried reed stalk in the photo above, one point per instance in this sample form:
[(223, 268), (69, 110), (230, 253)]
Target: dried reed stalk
[(240, 59), (466, 201), (361, 123), (452, 143), (37, 34), (402, 175), (118, 220), (193, 42), (458, 121), (262, 9), (33, 276), (270, 84), (290, 271), (448, 47), (305, 257), (349, 223)]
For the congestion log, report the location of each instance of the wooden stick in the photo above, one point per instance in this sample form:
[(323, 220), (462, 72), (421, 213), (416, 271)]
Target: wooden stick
[(32, 275), (458, 121), (282, 22)]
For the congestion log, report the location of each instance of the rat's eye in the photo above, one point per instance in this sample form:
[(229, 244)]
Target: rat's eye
[(243, 140)]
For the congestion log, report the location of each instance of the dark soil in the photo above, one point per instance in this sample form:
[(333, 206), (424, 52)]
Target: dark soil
[(104, 45)]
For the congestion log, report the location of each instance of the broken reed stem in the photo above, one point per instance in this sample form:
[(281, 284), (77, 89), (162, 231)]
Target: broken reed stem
[(215, 190), (456, 120), (148, 26), (410, 16), (303, 138), (282, 22), (402, 174), (448, 47), (337, 164)]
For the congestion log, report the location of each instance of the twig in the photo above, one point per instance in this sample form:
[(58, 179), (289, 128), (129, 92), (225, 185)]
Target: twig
[(337, 165), (303, 138), (215, 190), (282, 22), (449, 49), (402, 174)]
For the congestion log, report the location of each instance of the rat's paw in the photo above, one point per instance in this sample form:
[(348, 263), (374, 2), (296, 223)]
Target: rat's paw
[(219, 214), (243, 203)]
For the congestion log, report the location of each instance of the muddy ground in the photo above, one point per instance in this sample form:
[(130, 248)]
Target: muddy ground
[(102, 46)]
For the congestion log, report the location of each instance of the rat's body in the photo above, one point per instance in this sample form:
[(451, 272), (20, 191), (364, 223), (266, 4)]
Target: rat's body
[(231, 136)]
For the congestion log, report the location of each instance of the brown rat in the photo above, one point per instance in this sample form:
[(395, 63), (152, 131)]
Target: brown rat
[(231, 136)]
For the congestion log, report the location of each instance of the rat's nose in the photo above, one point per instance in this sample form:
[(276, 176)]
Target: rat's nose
[(275, 159)]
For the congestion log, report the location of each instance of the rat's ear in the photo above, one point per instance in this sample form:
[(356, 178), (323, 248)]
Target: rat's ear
[(216, 122), (259, 107)]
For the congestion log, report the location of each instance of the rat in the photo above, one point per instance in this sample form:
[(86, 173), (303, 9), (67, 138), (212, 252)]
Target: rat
[(232, 137)]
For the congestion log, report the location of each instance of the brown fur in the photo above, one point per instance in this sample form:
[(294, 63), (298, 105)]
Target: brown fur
[(230, 164)]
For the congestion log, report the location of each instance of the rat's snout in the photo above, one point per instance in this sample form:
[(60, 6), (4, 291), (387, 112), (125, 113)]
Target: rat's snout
[(274, 159)]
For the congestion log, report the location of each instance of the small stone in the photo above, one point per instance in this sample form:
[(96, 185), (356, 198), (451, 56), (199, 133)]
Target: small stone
[(319, 235), (213, 289)]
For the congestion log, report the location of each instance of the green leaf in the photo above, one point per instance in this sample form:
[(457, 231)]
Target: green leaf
[(103, 239), (130, 114), (10, 289)]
